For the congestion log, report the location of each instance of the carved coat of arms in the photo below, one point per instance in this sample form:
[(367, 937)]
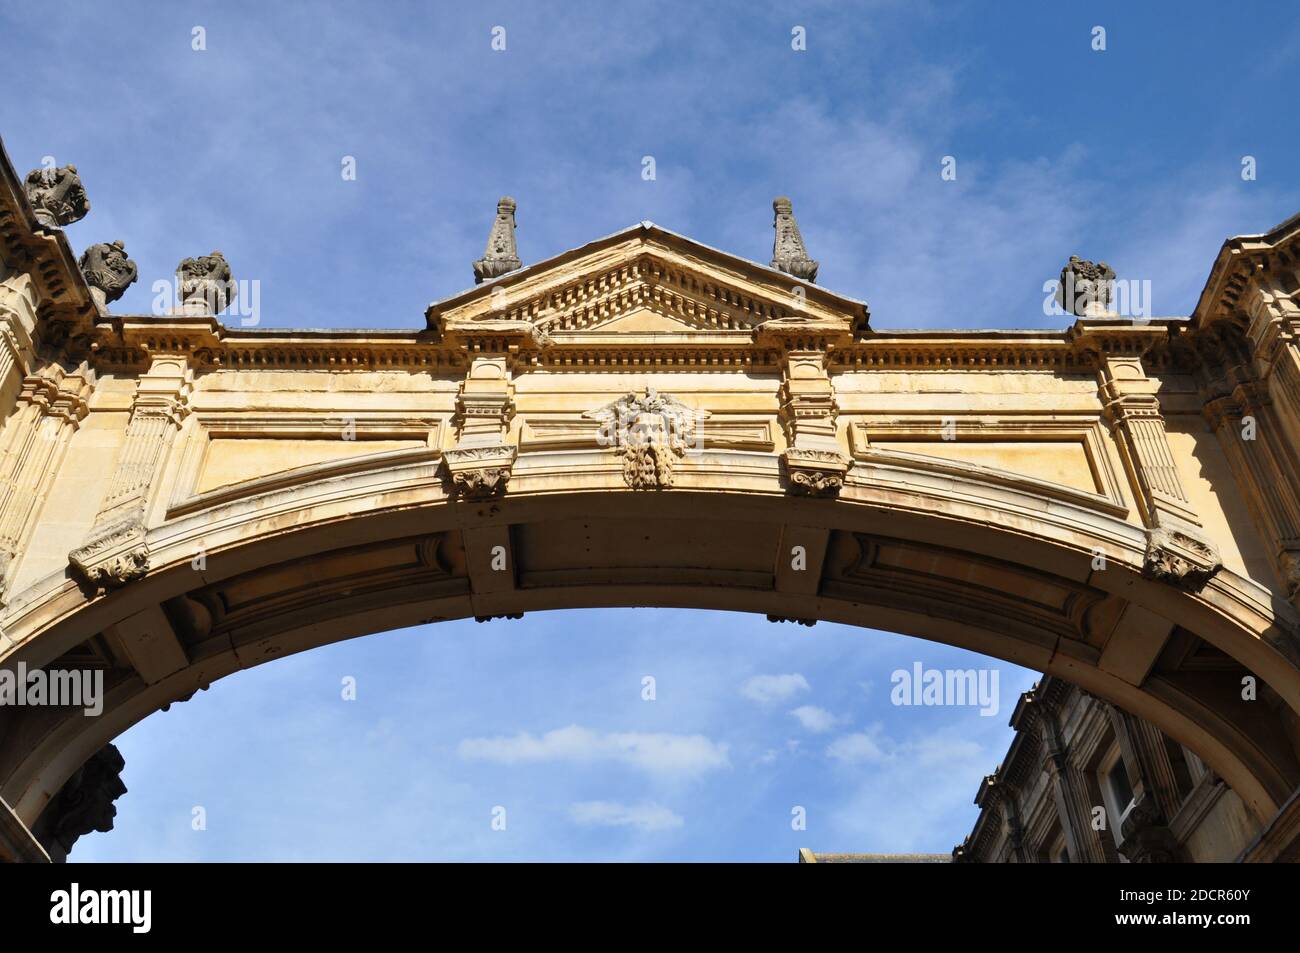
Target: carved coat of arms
[(206, 282), (57, 195), (107, 268)]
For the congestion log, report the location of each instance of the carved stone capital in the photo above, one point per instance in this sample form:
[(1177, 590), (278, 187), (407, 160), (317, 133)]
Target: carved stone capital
[(1179, 557), (815, 472), (480, 473), (114, 555), (57, 196)]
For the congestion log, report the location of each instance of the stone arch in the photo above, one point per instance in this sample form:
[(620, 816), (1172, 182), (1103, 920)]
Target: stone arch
[(648, 421), (1015, 594)]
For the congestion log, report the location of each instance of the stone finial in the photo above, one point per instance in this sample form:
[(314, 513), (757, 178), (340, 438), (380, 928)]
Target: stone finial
[(206, 284), (1085, 287), (501, 256), (108, 271), (788, 251), (57, 195)]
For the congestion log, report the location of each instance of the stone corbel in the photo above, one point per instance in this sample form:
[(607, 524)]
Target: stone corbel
[(114, 555), (1181, 557), (815, 472), (479, 473), (83, 804)]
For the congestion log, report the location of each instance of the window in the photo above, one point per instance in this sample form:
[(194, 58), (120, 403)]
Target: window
[(1121, 790), (1183, 778), (1116, 789)]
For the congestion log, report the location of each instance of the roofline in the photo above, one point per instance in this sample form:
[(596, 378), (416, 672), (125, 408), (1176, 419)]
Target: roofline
[(643, 229), (1247, 245)]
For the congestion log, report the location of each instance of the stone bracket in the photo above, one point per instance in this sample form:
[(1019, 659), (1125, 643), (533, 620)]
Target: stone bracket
[(490, 561), (479, 473), (1134, 644), (806, 579), (149, 642), (815, 472), (1180, 557), (114, 555)]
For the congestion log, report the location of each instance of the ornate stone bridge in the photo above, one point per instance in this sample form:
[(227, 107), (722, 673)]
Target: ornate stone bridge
[(646, 421)]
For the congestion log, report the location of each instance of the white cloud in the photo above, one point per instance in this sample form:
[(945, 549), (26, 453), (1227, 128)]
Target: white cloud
[(862, 747), (911, 789), (655, 753), (774, 688), (644, 817), (814, 719)]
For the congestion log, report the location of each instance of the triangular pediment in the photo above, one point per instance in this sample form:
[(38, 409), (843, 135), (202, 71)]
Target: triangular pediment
[(645, 281), (642, 321)]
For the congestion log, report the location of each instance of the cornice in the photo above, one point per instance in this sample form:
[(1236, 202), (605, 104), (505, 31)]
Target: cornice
[(66, 312), (1239, 260), (723, 299), (126, 342)]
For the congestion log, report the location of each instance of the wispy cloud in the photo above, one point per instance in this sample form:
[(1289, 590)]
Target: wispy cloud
[(766, 689), (660, 754), (647, 817), (817, 720), (862, 747)]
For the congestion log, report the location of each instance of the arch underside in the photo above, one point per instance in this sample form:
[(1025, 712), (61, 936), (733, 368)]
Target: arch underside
[(987, 568)]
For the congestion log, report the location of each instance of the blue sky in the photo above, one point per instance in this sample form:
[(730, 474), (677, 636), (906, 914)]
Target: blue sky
[(1132, 154)]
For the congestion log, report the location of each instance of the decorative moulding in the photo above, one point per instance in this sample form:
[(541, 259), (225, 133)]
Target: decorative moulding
[(208, 427), (1087, 432)]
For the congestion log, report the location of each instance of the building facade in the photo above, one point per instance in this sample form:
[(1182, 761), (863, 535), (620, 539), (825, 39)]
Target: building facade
[(1084, 782)]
